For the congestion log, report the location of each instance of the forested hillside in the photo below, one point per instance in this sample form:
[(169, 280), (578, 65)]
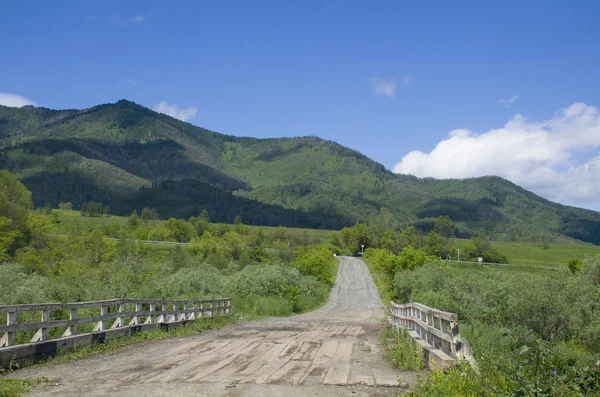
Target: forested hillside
[(129, 157)]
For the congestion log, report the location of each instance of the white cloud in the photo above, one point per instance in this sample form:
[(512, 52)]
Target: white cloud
[(14, 101), (140, 18), (131, 81), (507, 102), (385, 87), (407, 79), (388, 86), (136, 19), (558, 158), (174, 111)]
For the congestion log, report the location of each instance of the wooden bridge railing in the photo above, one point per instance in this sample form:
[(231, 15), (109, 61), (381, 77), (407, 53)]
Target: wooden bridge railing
[(99, 316), (436, 331)]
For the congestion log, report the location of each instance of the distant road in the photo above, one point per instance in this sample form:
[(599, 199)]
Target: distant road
[(503, 264), (118, 239), (154, 241)]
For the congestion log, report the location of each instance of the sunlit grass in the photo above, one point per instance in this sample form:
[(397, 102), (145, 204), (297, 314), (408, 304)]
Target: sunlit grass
[(66, 218), (17, 387), (535, 254)]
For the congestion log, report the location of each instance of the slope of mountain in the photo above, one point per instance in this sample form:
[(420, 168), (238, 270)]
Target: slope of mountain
[(129, 157)]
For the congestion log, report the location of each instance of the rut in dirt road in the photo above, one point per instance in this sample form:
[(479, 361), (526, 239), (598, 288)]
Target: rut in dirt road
[(328, 352)]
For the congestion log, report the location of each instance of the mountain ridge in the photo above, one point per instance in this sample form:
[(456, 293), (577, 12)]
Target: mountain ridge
[(152, 159)]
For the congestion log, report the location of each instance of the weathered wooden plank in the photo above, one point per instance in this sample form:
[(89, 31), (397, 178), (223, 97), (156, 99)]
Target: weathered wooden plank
[(429, 329), (56, 306), (340, 366), (322, 359), (81, 305), (227, 359), (85, 320), (428, 310)]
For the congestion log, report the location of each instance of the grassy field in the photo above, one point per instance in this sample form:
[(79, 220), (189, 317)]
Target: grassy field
[(534, 255), (312, 233), (65, 216), (481, 269), (68, 217), (384, 288)]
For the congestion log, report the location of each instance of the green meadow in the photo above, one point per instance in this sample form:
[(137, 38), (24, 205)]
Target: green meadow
[(66, 219), (536, 254)]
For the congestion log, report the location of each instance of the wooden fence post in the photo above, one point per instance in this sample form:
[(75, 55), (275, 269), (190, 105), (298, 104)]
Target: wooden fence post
[(101, 325), (72, 329), (135, 320), (192, 315), (119, 321), (42, 333), (8, 339), (151, 308)]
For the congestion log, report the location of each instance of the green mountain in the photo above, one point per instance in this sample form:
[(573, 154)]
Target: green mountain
[(129, 157)]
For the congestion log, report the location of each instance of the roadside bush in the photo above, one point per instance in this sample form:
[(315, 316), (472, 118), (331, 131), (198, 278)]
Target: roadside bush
[(271, 306), (409, 258), (195, 283), (317, 261), (460, 381), (383, 260), (267, 280), (401, 351), (294, 291)]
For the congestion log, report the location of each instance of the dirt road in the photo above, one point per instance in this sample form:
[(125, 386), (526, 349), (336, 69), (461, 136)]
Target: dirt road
[(333, 351)]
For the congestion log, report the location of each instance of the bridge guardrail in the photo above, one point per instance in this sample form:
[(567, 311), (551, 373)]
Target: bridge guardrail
[(436, 331), (55, 331)]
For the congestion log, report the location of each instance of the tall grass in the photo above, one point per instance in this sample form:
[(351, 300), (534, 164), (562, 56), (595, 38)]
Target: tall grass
[(401, 351)]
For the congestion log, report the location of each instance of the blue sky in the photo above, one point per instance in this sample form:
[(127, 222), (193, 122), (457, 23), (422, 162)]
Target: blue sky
[(385, 78)]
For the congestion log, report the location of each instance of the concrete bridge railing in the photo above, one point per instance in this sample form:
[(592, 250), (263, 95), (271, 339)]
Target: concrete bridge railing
[(66, 325), (436, 331)]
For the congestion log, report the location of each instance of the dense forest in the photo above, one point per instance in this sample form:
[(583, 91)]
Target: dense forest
[(129, 157)]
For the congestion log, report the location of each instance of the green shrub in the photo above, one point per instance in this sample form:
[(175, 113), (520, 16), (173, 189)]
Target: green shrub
[(317, 261), (409, 258), (383, 260), (482, 247), (19, 288), (401, 351), (575, 265), (195, 283), (272, 306), (460, 381)]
